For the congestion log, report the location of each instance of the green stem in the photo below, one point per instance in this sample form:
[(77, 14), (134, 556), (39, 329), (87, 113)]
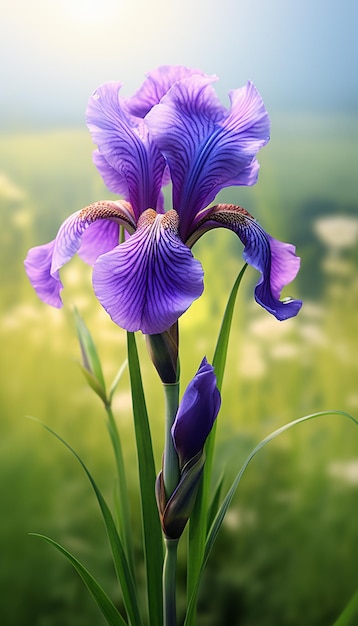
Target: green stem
[(123, 500), (171, 475), (171, 472), (169, 582)]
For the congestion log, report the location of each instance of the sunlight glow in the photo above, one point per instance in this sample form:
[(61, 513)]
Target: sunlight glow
[(88, 12)]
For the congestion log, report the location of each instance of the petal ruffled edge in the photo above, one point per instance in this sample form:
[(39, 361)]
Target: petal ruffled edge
[(156, 85), (43, 263), (127, 158), (207, 146), (38, 269), (274, 259)]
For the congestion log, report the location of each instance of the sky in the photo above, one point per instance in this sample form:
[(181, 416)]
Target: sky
[(301, 54)]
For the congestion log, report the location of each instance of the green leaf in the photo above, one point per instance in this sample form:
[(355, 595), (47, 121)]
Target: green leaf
[(198, 519), (216, 525), (119, 557), (122, 499), (349, 613), (105, 604), (215, 501), (116, 380), (90, 357), (219, 360), (152, 534), (93, 383)]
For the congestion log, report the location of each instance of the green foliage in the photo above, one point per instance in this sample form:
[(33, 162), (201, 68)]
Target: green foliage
[(152, 534), (100, 597), (120, 561)]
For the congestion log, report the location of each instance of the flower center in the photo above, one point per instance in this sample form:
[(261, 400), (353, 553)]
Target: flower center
[(168, 221)]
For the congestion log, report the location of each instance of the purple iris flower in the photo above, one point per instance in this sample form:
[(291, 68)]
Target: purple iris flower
[(174, 129), (196, 414)]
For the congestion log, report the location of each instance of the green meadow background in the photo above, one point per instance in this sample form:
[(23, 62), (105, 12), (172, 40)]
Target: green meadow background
[(287, 554)]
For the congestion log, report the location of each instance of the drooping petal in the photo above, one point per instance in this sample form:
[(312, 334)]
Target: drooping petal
[(276, 260), (155, 86), (44, 262), (196, 414), (38, 268), (127, 158), (207, 146), (147, 282)]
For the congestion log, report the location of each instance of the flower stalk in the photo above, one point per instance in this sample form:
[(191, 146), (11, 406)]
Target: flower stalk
[(169, 582), (171, 475)]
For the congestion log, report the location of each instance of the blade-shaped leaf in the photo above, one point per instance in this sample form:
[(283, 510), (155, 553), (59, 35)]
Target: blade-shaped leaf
[(94, 384), (198, 521), (349, 613), (219, 360), (90, 357), (216, 525), (105, 604), (122, 499), (152, 534), (215, 501), (116, 380), (119, 557)]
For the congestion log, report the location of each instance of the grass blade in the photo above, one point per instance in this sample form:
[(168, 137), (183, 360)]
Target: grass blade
[(220, 354), (198, 520), (122, 499), (152, 533), (216, 525), (105, 604), (119, 557), (349, 612)]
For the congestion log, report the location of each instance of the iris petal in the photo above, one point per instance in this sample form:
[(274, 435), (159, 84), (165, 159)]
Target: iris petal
[(155, 86), (43, 263), (276, 260), (99, 238), (148, 281), (38, 268), (129, 161), (207, 146)]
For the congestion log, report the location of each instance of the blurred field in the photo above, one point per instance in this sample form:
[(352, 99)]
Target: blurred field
[(288, 553)]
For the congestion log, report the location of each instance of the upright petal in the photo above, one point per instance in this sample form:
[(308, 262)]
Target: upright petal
[(276, 260), (127, 158), (155, 86), (196, 414), (43, 263), (148, 281), (207, 146)]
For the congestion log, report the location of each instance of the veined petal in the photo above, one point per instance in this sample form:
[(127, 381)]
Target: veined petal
[(118, 185), (99, 238), (155, 86), (276, 260), (196, 414), (38, 268), (129, 161), (207, 146), (44, 262), (147, 282)]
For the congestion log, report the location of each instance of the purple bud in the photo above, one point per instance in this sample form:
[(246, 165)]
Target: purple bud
[(196, 414)]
